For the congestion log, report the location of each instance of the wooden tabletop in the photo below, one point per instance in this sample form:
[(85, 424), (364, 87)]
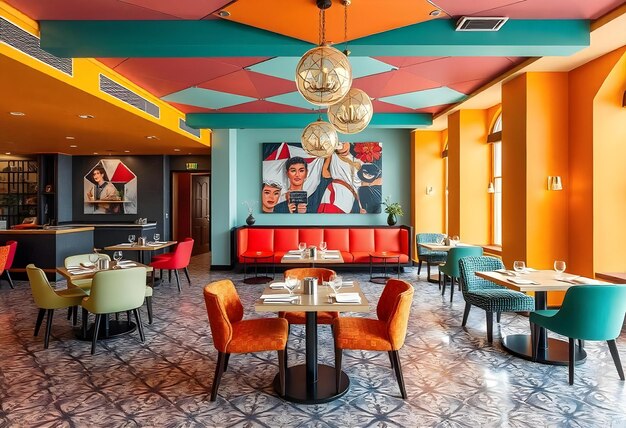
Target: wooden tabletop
[(65, 273), (614, 277), (544, 280), (318, 259), (308, 303), (135, 247), (441, 247)]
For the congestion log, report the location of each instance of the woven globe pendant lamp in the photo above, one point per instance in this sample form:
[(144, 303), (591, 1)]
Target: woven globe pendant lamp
[(319, 139), (352, 113), (323, 75)]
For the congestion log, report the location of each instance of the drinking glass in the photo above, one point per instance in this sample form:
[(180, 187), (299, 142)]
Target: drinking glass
[(131, 239), (93, 258), (323, 246), (519, 266), (156, 237), (559, 267), (291, 282), (335, 283), (117, 256), (302, 247)]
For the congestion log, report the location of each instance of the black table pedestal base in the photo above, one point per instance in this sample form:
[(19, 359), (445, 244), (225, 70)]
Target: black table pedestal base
[(116, 328), (324, 391), (556, 353)]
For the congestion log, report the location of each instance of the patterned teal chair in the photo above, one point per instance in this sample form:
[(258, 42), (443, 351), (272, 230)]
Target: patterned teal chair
[(589, 312), (429, 256), (451, 268), (487, 295)]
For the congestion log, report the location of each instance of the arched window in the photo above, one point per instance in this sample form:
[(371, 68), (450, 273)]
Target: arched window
[(495, 186)]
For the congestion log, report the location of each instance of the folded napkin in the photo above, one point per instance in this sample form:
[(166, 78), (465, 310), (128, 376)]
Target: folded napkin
[(348, 298), (123, 262), (125, 244), (520, 281), (347, 283), (506, 272), (331, 256), (278, 298), (73, 267), (79, 271), (154, 244), (127, 265), (584, 281), (298, 252), (277, 286), (292, 256), (160, 242)]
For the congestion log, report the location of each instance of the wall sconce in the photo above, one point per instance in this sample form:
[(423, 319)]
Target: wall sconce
[(554, 182), (430, 190), (491, 188)]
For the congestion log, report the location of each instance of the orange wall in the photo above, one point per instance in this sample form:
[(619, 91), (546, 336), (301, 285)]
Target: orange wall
[(427, 170), (468, 176)]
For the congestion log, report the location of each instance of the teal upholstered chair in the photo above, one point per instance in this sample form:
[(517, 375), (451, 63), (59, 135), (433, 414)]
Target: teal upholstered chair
[(487, 295), (429, 256), (451, 268), (589, 312)]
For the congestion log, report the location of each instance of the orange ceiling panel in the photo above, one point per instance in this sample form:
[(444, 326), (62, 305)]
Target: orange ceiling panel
[(300, 18)]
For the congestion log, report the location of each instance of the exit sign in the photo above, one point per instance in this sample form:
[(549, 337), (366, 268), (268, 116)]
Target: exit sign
[(192, 165)]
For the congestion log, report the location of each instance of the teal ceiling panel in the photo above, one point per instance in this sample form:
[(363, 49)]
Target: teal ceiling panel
[(206, 98), (294, 99), (426, 98), (298, 120)]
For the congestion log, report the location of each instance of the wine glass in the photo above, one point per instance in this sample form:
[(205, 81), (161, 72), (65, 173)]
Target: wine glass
[(519, 266), (291, 282), (94, 257), (117, 256), (323, 246), (454, 240), (156, 237), (302, 247), (336, 282), (131, 239), (559, 267)]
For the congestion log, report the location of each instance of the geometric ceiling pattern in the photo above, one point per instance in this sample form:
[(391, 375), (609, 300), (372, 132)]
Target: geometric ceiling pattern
[(397, 82)]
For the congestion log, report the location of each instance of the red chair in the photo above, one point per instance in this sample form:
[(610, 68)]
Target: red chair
[(169, 254), (179, 260), (12, 248)]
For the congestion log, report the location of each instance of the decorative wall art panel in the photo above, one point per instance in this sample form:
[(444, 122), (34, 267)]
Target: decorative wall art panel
[(110, 187)]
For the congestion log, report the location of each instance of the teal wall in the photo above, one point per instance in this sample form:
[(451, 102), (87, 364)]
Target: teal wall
[(233, 184)]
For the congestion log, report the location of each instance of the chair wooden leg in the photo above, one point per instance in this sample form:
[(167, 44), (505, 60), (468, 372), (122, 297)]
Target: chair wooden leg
[(226, 360), (490, 327), (177, 279), (498, 317), (451, 288), (69, 312), (149, 307), (46, 339), (616, 360), (84, 319), (281, 371), (169, 273), (534, 340), (427, 270), (390, 358), (142, 336), (338, 355), (96, 330), (466, 313), (219, 370), (443, 284), (40, 315), (419, 268), (74, 315), (572, 361), (398, 368), (187, 275), (9, 279)]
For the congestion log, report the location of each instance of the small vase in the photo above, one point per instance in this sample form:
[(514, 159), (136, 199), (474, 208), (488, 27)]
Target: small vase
[(391, 219), (250, 220)]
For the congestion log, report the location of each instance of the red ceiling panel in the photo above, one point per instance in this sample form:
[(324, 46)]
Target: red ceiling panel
[(532, 9), (183, 9), (393, 83), (250, 84), (263, 107), (383, 107), (81, 9), (460, 69), (191, 109), (405, 61)]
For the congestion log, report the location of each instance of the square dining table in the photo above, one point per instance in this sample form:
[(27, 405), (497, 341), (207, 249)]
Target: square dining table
[(320, 258), (313, 383), (149, 247), (551, 350)]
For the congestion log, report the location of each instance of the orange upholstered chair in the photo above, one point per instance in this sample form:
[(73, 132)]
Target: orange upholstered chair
[(387, 333), (300, 317), (232, 334)]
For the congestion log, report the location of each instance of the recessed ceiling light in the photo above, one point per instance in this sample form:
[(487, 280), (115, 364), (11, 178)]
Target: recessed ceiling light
[(17, 113), (86, 116), (73, 146), (69, 137), (152, 137), (177, 150), (95, 153), (435, 12), (126, 151), (7, 153), (223, 13)]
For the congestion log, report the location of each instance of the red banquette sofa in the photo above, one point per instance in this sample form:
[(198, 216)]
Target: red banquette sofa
[(355, 242)]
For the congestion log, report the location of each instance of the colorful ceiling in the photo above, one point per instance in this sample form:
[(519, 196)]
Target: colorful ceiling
[(406, 54)]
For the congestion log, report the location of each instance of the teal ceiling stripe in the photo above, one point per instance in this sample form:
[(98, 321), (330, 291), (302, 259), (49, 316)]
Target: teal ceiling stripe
[(219, 38), (426, 98), (297, 120), (207, 98)]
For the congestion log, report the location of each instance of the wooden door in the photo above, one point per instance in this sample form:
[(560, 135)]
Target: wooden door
[(200, 213)]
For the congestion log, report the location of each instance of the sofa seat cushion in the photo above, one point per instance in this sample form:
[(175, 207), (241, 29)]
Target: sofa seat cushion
[(347, 257), (361, 257), (250, 257)]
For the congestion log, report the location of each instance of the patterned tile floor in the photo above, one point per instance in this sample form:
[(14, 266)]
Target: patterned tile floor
[(453, 377)]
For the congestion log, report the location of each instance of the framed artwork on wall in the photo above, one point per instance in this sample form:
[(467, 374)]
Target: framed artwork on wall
[(110, 187), (348, 181)]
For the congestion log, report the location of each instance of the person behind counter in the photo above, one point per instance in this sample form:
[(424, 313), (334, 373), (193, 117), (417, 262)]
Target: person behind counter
[(103, 190)]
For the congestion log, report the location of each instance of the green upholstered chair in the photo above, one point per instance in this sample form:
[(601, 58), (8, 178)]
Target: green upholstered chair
[(115, 291), (487, 295), (588, 312), (451, 267), (429, 256), (47, 299)]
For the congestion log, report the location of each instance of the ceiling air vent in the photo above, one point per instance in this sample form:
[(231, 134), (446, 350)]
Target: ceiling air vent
[(183, 125), (25, 42), (118, 91), (480, 23)]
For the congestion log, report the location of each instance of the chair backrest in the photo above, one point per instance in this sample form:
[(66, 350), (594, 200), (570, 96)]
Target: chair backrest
[(82, 258), (43, 294), (455, 254), (223, 309), (117, 290), (182, 254), (13, 245), (427, 238), (321, 274), (592, 312), (469, 265), (4, 256), (394, 307)]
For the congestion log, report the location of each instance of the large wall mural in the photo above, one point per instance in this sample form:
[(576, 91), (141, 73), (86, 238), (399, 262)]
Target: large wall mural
[(110, 187), (348, 181)]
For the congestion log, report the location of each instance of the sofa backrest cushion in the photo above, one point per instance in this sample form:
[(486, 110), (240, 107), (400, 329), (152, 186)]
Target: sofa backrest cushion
[(260, 240), (362, 240), (312, 236), (387, 240), (337, 239), (285, 240)]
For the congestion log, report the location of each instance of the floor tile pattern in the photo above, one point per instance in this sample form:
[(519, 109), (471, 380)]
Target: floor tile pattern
[(454, 378)]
